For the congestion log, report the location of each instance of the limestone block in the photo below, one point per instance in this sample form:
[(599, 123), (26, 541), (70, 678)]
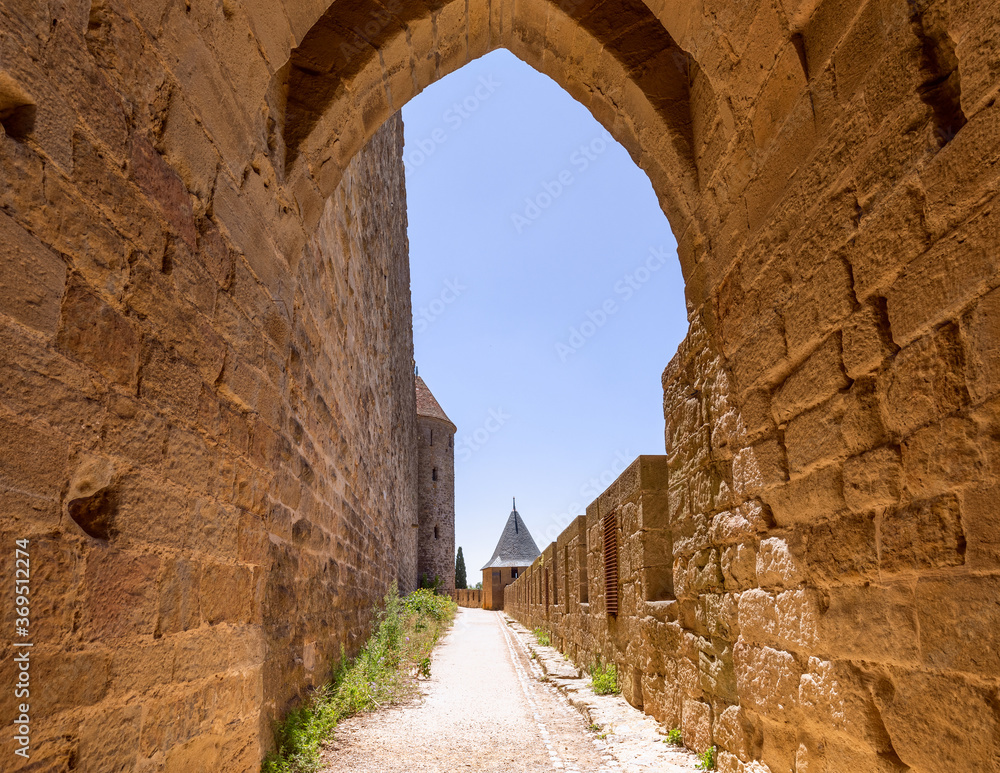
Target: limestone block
[(791, 148), (809, 498), (866, 341), (94, 332), (729, 527), (109, 738), (859, 50), (920, 709), (736, 732), (759, 468), (139, 497), (758, 56), (163, 187), (777, 564), (32, 461), (167, 380), (835, 699), (754, 417), (761, 353), (115, 197), (32, 278), (717, 616), (179, 597), (814, 438), (826, 299), (924, 382), (188, 150), (814, 381), (788, 620), (141, 666), (889, 633), (958, 618), (873, 479), (942, 281), (119, 594), (715, 666), (964, 172), (696, 724), (981, 339), (785, 84), (920, 536), (980, 506), (842, 550), (739, 567), (767, 680), (941, 457), (826, 26), (888, 238)]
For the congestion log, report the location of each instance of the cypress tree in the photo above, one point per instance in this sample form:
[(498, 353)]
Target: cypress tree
[(461, 581)]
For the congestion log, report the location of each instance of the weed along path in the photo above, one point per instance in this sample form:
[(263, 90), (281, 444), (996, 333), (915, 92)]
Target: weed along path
[(484, 708)]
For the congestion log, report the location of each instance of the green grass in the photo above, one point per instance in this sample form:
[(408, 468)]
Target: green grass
[(604, 679), (706, 760), (383, 672), (543, 637), (674, 737)]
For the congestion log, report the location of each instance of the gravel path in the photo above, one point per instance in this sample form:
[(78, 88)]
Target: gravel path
[(482, 710)]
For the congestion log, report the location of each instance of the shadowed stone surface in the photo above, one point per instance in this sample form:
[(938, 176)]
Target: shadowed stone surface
[(204, 292)]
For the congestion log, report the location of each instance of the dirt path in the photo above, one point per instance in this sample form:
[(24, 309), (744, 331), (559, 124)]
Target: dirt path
[(482, 711)]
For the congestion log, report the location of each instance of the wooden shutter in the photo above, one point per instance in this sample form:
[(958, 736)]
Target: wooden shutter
[(611, 563)]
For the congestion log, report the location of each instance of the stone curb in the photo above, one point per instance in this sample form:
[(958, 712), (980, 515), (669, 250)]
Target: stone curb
[(633, 738)]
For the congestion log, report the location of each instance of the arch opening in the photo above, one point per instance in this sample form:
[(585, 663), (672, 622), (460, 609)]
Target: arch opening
[(361, 62)]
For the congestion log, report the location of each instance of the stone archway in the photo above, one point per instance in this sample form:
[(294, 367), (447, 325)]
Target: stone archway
[(360, 63)]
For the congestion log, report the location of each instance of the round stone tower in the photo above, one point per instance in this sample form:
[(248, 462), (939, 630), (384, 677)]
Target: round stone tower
[(435, 490)]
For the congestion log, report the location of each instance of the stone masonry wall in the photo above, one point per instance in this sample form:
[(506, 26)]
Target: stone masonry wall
[(197, 413), (468, 597), (831, 601), (436, 502), (208, 441)]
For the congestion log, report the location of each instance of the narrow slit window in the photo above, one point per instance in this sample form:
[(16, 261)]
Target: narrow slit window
[(434, 474), (435, 532)]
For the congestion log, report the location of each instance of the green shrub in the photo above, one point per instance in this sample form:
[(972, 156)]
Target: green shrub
[(426, 603), (406, 631), (604, 679), (674, 737), (543, 637), (706, 760)]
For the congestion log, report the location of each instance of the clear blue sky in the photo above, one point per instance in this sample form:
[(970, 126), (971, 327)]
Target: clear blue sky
[(547, 296)]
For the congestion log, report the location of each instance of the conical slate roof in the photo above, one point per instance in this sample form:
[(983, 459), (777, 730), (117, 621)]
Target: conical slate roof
[(516, 547), (427, 405)]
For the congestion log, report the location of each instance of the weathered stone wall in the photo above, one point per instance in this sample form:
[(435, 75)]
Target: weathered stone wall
[(208, 439), (468, 597), (436, 502), (178, 356), (833, 618)]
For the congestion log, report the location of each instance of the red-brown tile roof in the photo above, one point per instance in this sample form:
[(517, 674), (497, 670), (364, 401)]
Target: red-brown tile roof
[(427, 405)]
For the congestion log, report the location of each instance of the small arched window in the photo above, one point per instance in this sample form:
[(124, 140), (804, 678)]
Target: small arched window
[(434, 474)]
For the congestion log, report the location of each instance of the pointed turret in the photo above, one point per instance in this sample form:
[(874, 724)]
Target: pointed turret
[(516, 546)]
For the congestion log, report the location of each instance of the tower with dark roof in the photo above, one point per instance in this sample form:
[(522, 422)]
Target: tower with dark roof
[(515, 551), (435, 491)]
